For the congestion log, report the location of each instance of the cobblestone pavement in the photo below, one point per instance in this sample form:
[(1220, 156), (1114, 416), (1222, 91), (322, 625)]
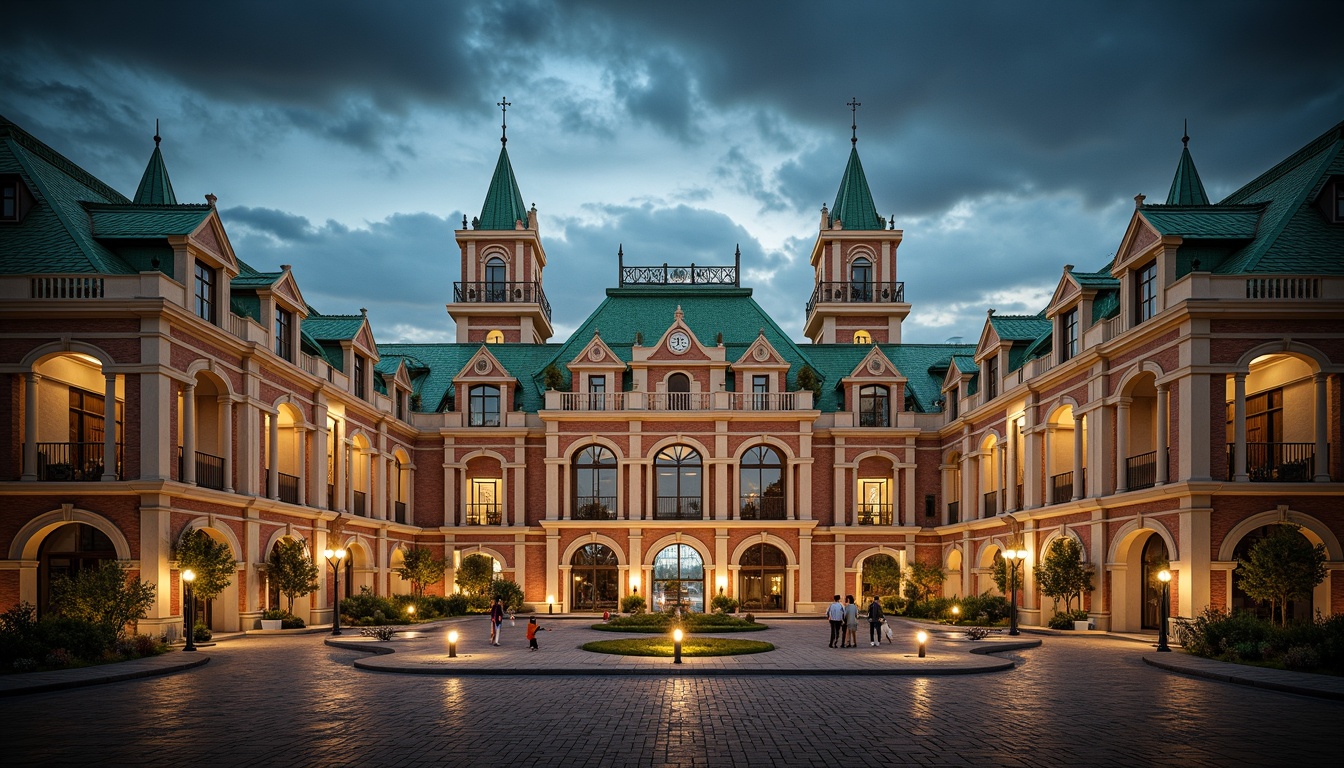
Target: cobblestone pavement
[(295, 701)]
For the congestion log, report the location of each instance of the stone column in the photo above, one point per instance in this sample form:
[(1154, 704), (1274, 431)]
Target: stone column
[(841, 516), (110, 435), (1239, 474), (301, 439), (1010, 469), (338, 461), (804, 496), (519, 495), (1322, 473), (226, 439), (378, 485), (273, 456), (1079, 491), (321, 439), (1163, 427), (1121, 445), (188, 434), (30, 380)]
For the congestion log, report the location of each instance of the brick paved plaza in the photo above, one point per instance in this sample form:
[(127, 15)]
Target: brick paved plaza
[(295, 701)]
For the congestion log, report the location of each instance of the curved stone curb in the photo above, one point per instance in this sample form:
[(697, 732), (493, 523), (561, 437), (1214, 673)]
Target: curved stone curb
[(1255, 677), (383, 661), (62, 679)]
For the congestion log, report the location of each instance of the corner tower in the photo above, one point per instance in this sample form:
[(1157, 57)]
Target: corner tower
[(499, 298), (856, 297)]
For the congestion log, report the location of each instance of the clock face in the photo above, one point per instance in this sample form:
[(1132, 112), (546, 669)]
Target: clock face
[(679, 342)]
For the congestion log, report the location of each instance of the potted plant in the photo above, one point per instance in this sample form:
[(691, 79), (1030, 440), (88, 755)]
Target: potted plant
[(272, 619)]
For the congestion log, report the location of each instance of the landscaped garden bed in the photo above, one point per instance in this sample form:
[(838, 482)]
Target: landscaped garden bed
[(691, 646), (663, 623)]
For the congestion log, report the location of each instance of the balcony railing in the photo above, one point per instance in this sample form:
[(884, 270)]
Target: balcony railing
[(595, 508), (361, 504), (502, 292), (677, 508), (481, 513), (876, 514), (1021, 502), (289, 488), (72, 462), (1061, 488), (209, 469), (67, 287), (1276, 462), (762, 401), (757, 507), (991, 503), (592, 401), (874, 419), (953, 512), (399, 512), (678, 401), (1283, 288), (850, 292), (1141, 471)]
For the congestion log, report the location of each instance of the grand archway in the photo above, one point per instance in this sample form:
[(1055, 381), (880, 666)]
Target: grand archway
[(762, 579), (679, 579), (594, 578)]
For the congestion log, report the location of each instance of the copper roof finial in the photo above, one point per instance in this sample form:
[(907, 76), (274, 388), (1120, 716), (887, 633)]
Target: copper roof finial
[(854, 120), (157, 138), (504, 105), (1185, 131)]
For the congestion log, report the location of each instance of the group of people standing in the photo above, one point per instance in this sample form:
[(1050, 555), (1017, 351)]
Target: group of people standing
[(497, 625), (844, 618)]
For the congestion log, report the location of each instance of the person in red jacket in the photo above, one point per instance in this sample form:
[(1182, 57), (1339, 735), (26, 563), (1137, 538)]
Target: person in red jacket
[(532, 629)]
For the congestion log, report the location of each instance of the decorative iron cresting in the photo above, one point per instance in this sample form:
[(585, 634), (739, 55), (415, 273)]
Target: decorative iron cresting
[(680, 274)]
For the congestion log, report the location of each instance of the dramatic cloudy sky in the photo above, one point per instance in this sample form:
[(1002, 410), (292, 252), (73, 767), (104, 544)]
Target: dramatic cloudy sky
[(349, 138)]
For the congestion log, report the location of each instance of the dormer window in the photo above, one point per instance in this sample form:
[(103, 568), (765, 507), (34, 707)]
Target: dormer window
[(954, 404), (991, 378), (1145, 292), (863, 337), (1068, 326), (9, 199), (207, 292), (483, 406), (361, 378), (284, 344), (874, 407)]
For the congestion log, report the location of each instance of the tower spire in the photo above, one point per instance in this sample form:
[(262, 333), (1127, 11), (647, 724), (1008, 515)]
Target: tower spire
[(504, 105), (155, 186), (1186, 187), (156, 133), (854, 120)]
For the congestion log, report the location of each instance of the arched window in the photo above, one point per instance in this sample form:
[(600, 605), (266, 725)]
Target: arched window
[(678, 392), (881, 575), (496, 280), (679, 482), (1297, 611), (762, 582), (861, 279), (863, 337), (66, 551), (761, 485), (874, 407), (595, 484), (679, 579), (483, 404), (494, 337), (594, 576)]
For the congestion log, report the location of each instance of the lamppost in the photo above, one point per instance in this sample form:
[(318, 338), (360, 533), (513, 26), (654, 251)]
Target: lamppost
[(956, 613), (676, 646), (189, 610), (550, 604), (1013, 556), (1164, 608), (334, 558), (923, 638), (452, 644)]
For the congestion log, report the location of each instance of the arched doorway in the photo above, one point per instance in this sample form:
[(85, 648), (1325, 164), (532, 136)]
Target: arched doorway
[(1296, 611), (65, 552), (594, 578), (678, 392), (762, 579), (880, 575), (679, 579), (1155, 559)]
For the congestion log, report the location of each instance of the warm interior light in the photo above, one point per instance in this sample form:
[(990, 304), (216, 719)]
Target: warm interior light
[(634, 582), (676, 635), (452, 636), (1164, 576), (188, 575), (922, 637)]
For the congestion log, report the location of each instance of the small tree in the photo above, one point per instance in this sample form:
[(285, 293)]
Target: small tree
[(475, 574), (552, 378), (922, 580), (421, 567), (508, 592), (883, 574), (1000, 575), (808, 379), (106, 596), (291, 570), (1280, 567), (212, 561), (1061, 574)]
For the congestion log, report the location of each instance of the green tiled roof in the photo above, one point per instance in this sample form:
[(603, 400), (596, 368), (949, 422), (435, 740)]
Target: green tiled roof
[(251, 278), (1186, 188), (1096, 280), (144, 221), (503, 202), (1038, 348), (437, 364), (854, 200), (1213, 222), (1106, 305), (155, 186), (1019, 327), (332, 327), (55, 236)]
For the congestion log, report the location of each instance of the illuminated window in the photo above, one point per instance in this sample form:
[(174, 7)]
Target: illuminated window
[(494, 337), (875, 501), (485, 507), (863, 337)]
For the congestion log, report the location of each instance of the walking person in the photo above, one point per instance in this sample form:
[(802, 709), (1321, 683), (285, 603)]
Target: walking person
[(875, 619), (532, 629), (836, 614), (851, 623), (496, 620)]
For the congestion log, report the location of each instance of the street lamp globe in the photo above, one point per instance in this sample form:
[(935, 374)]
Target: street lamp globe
[(1164, 576), (188, 575)]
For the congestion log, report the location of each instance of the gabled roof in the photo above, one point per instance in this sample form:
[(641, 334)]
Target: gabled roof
[(1096, 280), (1012, 328), (155, 186), (854, 200), (1186, 188), (503, 201), (144, 221)]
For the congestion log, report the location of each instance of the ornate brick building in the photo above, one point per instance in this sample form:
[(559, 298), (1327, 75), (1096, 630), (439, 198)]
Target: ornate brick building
[(1159, 410)]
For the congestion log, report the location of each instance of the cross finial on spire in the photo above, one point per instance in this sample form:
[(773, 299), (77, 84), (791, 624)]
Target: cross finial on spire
[(504, 105), (854, 120), (1185, 133), (157, 139)]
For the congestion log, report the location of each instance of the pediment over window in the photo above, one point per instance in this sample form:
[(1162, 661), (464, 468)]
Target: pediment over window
[(761, 354), (596, 355), (483, 366), (875, 368)]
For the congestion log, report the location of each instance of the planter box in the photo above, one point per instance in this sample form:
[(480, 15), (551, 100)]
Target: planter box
[(1082, 626), (271, 623)]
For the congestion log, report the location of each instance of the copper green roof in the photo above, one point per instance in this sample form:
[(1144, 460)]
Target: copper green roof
[(1106, 305), (1019, 327), (155, 186), (1186, 188), (1215, 222), (144, 221), (1097, 280), (503, 202), (854, 206)]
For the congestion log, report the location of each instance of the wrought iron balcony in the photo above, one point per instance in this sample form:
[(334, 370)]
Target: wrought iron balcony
[(1141, 471), (677, 508), (361, 506), (503, 293), (209, 469), (847, 292), (876, 514), (1276, 462), (991, 503), (757, 507), (485, 513), (595, 508), (399, 511), (77, 462)]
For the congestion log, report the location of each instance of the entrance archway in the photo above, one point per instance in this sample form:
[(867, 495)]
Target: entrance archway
[(679, 579), (1155, 559), (1296, 611), (762, 579), (594, 578), (65, 552)]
